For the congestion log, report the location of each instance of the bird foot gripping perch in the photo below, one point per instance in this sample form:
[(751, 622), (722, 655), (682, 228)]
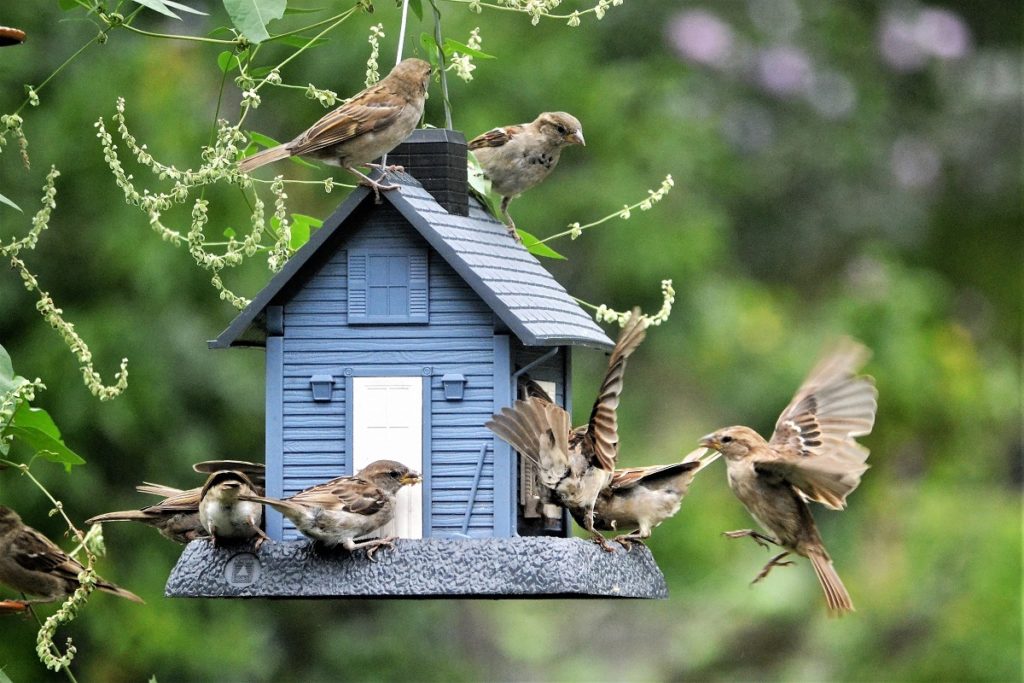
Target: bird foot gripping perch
[(759, 538)]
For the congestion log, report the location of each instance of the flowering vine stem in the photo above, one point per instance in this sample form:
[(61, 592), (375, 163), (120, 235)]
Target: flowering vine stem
[(541, 8), (440, 61), (653, 197), (605, 314)]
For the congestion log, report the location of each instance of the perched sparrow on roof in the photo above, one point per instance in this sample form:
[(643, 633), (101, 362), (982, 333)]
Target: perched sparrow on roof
[(811, 456), (31, 563), (346, 508), (368, 125), (515, 158), (641, 498), (176, 517), (224, 513), (577, 464)]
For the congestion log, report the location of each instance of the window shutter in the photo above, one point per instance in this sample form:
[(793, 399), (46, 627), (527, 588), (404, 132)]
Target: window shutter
[(357, 286), (419, 306)]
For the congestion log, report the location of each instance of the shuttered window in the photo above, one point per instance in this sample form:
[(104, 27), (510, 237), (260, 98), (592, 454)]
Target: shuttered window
[(387, 286)]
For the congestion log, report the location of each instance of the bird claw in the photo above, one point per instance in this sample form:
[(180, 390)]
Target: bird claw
[(627, 541), (600, 540), (514, 233), (760, 539), (371, 549), (772, 563)]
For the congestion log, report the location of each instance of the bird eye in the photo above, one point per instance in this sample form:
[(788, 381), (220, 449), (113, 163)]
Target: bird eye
[(561, 129), (726, 439), (395, 474)]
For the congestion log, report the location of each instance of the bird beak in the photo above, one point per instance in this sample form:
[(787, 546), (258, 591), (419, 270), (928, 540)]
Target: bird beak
[(410, 479), (710, 441), (577, 137)]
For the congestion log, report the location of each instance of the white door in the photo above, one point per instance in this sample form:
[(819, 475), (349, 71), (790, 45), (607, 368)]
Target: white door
[(387, 413)]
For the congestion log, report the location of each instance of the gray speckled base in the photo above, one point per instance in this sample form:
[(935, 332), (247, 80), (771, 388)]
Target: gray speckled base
[(525, 567)]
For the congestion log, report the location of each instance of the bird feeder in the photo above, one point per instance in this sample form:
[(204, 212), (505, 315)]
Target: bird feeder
[(396, 332)]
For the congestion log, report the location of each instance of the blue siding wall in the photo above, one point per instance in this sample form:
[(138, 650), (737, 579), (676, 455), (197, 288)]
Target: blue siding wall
[(459, 339)]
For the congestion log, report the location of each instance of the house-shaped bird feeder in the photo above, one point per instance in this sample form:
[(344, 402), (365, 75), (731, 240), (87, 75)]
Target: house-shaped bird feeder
[(396, 332)]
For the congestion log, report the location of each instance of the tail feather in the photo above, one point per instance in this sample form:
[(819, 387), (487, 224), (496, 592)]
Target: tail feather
[(113, 589), (287, 508), (539, 431), (838, 599), (263, 158), (123, 516)]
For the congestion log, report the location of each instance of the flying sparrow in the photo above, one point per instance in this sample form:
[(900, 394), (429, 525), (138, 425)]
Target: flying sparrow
[(641, 498), (176, 517), (341, 510), (365, 127), (577, 464), (224, 513), (31, 563), (515, 158), (812, 455)]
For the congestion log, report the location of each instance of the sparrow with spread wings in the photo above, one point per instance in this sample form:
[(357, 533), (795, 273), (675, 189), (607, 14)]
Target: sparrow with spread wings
[(813, 455), (577, 464)]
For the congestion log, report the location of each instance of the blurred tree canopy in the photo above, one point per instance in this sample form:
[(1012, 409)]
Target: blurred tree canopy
[(840, 168)]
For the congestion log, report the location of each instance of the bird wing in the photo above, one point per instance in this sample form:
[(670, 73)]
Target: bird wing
[(256, 471), (539, 430), (628, 477), (176, 500), (344, 494), (601, 438), (496, 137), (36, 552), (814, 445), (370, 110)]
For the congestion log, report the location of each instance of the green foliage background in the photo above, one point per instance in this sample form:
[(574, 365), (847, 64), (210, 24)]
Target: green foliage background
[(786, 227)]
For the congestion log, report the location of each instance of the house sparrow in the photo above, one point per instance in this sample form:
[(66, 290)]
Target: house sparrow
[(346, 508), (176, 517), (224, 513), (812, 455), (31, 563), (365, 127), (577, 464), (515, 158), (641, 498)]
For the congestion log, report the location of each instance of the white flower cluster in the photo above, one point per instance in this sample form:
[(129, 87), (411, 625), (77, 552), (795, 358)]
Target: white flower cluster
[(325, 97), (11, 123), (372, 75), (605, 314), (656, 196), (462, 65)]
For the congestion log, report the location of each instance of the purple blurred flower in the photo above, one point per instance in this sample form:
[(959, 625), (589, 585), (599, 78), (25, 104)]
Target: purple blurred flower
[(915, 162), (785, 70), (700, 36), (832, 94), (908, 40)]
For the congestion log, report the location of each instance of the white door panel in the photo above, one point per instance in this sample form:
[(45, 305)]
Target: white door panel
[(387, 415)]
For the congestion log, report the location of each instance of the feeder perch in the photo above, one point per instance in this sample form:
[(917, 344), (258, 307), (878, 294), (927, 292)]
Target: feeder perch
[(396, 332)]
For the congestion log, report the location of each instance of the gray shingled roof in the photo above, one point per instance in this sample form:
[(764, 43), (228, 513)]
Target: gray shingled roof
[(520, 291)]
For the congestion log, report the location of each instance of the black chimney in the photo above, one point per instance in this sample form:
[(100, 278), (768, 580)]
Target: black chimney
[(436, 157)]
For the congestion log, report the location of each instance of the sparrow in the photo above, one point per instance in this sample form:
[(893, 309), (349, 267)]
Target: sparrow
[(31, 563), (223, 512), (577, 464), (365, 127), (343, 509), (516, 158), (176, 517), (811, 456), (641, 498)]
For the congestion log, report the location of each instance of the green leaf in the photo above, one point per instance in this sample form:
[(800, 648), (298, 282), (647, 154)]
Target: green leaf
[(450, 46), (299, 235), (184, 8), (229, 233), (8, 202), (36, 429), (417, 8), (251, 17), (534, 246), (227, 61), (299, 161), (429, 46), (157, 6), (311, 221), (261, 139), (65, 6), (303, 10), (8, 380)]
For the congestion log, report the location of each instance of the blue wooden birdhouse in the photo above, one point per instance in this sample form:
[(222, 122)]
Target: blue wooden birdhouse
[(396, 332)]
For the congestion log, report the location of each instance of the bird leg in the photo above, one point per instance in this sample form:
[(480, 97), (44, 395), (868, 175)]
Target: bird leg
[(390, 168), (596, 535), (367, 181), (627, 541), (372, 545), (509, 223), (262, 537), (759, 538), (774, 562)]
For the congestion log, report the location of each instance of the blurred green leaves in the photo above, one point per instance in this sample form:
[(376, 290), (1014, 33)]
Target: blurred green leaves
[(251, 17)]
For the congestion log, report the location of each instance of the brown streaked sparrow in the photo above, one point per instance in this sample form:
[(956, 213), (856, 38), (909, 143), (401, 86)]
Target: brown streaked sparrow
[(516, 158), (641, 498), (365, 127), (341, 510), (577, 464), (811, 456), (31, 563), (223, 512)]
